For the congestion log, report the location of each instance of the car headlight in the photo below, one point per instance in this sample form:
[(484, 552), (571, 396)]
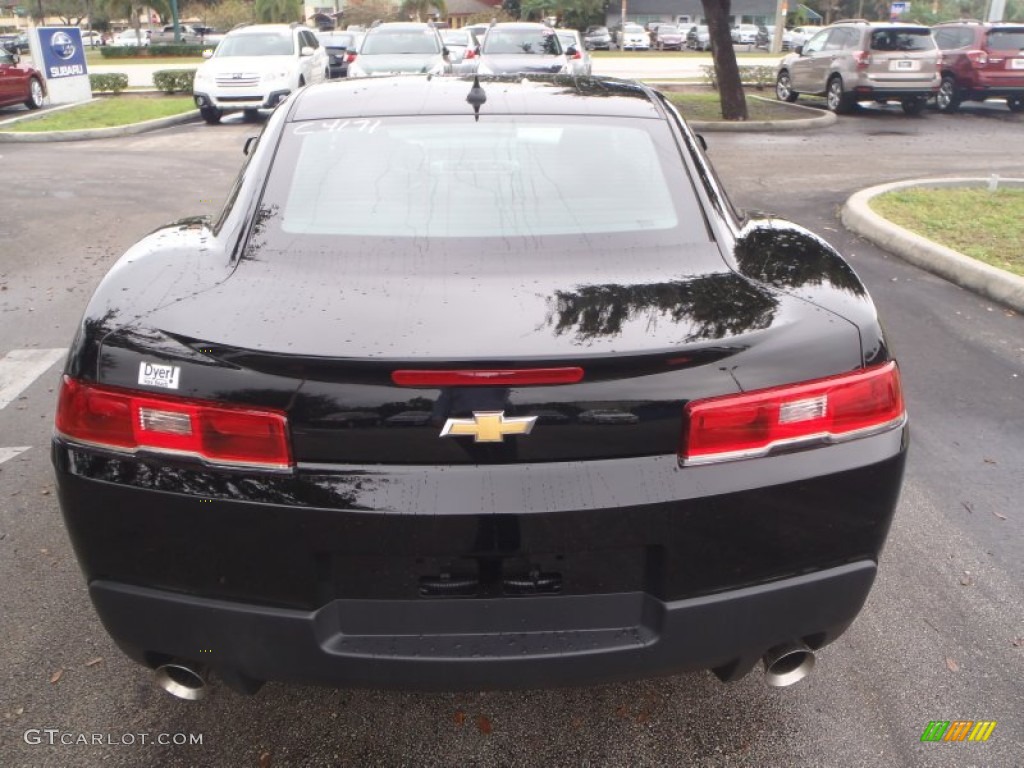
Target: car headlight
[(202, 76), (271, 76)]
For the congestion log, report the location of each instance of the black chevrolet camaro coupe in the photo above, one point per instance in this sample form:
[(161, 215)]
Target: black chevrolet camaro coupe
[(429, 406)]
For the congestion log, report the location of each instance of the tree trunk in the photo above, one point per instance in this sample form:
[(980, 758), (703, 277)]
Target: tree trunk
[(727, 72)]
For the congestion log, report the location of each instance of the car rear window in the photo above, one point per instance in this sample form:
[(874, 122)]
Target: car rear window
[(1006, 39), (508, 41), (386, 41), (459, 179), (950, 38), (902, 40)]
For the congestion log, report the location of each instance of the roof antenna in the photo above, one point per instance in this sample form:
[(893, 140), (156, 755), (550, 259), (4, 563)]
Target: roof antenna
[(476, 97)]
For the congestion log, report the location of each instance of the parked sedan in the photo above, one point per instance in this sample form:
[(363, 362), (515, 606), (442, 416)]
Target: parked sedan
[(576, 54), (337, 45), (766, 37), (131, 38), (800, 35), (597, 39), (401, 48), (519, 47), (668, 37), (723, 496), (633, 37), (744, 34), (19, 83), (699, 38), (463, 49)]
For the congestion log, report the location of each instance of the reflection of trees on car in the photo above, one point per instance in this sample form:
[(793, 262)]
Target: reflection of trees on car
[(717, 306)]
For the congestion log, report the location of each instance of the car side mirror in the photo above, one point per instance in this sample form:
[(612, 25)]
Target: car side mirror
[(571, 51), (445, 52), (15, 58), (799, 50), (207, 54), (306, 51), (700, 140), (249, 144)]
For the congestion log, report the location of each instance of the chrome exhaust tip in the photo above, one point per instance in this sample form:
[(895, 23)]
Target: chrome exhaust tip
[(183, 679), (787, 664)]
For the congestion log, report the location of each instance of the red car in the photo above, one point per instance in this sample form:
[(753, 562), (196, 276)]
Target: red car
[(980, 61), (19, 84)]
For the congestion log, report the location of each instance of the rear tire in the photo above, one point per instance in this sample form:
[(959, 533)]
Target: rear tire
[(784, 88), (1015, 103), (211, 115), (947, 99), (835, 99), (913, 105), (35, 94)]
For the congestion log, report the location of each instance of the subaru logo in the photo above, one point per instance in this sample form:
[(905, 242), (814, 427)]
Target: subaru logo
[(62, 45)]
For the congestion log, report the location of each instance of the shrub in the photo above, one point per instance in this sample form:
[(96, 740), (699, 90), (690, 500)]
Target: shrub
[(122, 51), (174, 80), (177, 49), (757, 76), (113, 82)]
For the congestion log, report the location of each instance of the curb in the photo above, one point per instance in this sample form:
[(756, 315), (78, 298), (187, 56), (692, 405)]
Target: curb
[(820, 119), (101, 133), (991, 282)]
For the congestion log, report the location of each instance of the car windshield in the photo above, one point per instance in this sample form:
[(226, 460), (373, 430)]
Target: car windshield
[(256, 44), (457, 179), (567, 39), (506, 41), (1006, 39), (902, 40), (598, 31), (400, 41), (455, 37), (665, 29), (633, 28)]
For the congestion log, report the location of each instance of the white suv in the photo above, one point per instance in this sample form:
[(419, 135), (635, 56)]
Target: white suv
[(256, 67)]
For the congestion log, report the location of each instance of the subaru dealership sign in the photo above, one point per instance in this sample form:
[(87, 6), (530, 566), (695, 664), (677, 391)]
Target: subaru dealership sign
[(60, 56)]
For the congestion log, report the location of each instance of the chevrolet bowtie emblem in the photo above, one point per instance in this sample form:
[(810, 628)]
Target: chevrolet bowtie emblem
[(488, 426)]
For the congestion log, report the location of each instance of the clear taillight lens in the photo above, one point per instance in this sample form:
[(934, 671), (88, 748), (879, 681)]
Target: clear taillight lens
[(756, 423), (217, 433)]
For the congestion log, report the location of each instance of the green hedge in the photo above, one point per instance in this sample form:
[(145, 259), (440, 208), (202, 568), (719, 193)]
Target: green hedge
[(174, 80), (178, 49), (122, 52), (135, 52), (758, 76), (114, 82)]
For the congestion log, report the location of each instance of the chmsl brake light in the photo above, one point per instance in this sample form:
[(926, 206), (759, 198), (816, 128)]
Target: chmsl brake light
[(830, 410), (477, 377), (126, 420)]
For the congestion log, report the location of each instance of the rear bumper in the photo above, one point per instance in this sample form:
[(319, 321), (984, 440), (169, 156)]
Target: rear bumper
[(528, 642)]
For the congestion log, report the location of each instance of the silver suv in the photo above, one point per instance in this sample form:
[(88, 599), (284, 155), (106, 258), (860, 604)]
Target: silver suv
[(858, 60)]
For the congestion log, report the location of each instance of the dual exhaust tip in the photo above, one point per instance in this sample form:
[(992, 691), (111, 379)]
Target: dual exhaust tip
[(784, 665)]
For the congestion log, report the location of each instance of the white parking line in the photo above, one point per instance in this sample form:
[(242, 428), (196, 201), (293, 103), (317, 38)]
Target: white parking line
[(9, 453), (20, 367)]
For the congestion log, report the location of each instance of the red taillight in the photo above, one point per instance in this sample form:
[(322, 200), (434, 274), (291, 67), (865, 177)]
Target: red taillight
[(127, 420), (577, 55), (828, 410), (978, 58), (470, 54), (487, 377), (350, 57), (862, 59)]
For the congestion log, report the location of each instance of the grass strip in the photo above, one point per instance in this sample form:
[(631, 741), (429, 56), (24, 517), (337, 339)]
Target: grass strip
[(708, 107), (987, 226), (107, 113)]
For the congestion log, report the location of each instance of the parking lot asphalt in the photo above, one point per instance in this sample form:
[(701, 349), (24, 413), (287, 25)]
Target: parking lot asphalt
[(941, 637)]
